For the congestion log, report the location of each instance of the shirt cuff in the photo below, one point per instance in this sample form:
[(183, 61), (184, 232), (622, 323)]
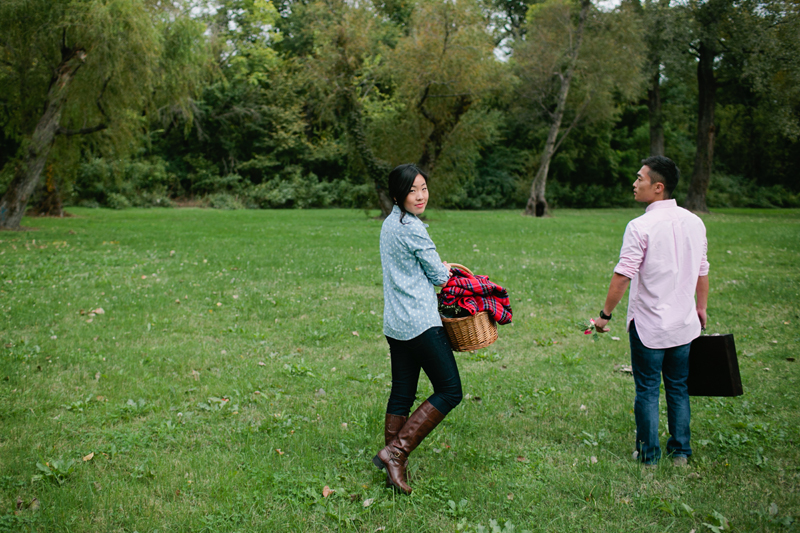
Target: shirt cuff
[(627, 271)]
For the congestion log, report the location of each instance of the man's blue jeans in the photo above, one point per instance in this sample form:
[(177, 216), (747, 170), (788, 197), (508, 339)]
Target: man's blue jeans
[(648, 364)]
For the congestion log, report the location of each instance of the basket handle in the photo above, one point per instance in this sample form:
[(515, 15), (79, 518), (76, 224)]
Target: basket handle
[(461, 267)]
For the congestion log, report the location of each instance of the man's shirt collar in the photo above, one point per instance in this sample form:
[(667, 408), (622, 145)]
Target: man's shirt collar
[(661, 204)]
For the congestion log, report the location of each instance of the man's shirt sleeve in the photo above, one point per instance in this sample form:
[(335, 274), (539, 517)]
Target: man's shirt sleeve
[(632, 253), (704, 266)]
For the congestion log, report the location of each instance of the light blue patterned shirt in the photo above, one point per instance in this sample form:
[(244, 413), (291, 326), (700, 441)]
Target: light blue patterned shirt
[(411, 268)]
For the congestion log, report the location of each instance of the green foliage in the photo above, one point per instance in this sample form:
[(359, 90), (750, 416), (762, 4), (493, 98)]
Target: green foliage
[(736, 191), (249, 102), (125, 183)]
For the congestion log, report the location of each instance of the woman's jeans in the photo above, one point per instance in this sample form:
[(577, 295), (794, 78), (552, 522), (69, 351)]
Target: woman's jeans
[(648, 364), (430, 352)]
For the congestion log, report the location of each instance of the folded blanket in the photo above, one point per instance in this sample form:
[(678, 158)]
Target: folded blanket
[(476, 294)]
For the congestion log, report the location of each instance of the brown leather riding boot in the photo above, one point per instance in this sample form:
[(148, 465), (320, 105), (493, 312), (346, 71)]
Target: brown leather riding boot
[(391, 428), (394, 456)]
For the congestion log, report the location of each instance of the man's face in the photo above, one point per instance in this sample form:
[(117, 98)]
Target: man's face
[(645, 190)]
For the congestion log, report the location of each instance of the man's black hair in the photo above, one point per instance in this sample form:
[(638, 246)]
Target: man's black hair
[(663, 170), (401, 179)]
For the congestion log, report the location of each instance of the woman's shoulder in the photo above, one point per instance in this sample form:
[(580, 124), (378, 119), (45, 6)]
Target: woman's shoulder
[(410, 225)]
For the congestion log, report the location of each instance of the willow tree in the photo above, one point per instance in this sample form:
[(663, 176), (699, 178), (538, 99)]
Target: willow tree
[(574, 62), (441, 71), (344, 45), (403, 91), (84, 67)]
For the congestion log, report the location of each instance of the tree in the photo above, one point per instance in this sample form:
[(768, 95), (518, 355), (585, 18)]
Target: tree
[(441, 69), (756, 42), (662, 25), (78, 67), (710, 18), (571, 46)]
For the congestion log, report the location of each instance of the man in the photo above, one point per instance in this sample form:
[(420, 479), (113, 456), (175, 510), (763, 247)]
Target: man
[(663, 259)]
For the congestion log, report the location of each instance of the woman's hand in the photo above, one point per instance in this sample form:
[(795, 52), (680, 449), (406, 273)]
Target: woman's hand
[(449, 270)]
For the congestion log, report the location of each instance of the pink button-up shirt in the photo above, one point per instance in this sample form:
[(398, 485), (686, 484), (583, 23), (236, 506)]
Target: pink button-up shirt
[(663, 253)]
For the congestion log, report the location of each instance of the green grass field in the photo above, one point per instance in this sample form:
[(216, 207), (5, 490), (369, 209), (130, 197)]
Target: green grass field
[(239, 368)]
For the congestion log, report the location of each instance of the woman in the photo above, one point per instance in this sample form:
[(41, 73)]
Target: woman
[(411, 323)]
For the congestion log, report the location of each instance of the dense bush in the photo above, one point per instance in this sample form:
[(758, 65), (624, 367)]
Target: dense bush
[(737, 191), (120, 184)]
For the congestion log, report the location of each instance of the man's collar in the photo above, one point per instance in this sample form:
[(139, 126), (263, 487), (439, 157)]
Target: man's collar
[(662, 204)]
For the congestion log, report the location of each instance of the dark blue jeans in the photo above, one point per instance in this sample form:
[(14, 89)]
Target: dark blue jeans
[(430, 352), (648, 365)]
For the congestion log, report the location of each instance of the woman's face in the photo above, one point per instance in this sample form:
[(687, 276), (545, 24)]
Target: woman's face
[(417, 197)]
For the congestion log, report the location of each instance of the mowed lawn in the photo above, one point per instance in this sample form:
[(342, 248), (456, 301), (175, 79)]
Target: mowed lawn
[(239, 368)]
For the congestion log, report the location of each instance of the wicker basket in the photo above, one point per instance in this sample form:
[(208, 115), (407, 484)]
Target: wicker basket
[(470, 332)]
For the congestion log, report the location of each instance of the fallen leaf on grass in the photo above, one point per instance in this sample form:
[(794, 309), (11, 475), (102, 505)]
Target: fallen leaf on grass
[(522, 459), (89, 320), (355, 334), (368, 502), (279, 451), (326, 491), (614, 338), (196, 375), (99, 311), (510, 496), (593, 460), (88, 457), (262, 363)]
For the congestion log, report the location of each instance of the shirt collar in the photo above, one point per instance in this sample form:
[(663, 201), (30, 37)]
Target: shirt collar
[(396, 211), (661, 204)]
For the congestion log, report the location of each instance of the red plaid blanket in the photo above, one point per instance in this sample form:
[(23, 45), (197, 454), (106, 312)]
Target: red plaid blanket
[(476, 294)]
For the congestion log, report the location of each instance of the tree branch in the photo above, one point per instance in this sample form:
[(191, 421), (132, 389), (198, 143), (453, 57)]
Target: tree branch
[(574, 121), (82, 131)]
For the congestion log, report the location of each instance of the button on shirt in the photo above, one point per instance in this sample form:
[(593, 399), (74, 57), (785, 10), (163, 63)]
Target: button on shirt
[(663, 253), (411, 268)]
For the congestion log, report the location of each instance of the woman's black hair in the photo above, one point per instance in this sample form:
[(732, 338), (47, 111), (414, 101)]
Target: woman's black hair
[(401, 179)]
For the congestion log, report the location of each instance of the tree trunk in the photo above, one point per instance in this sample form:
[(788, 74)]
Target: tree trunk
[(435, 143), (377, 169), (537, 203), (704, 157), (28, 171), (50, 204), (654, 106)]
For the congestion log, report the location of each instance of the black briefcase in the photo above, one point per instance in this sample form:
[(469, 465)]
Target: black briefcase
[(713, 367)]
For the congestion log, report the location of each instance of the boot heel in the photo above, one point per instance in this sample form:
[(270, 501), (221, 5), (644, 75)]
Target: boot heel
[(377, 462)]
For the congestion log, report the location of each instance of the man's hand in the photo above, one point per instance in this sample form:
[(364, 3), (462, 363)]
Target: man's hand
[(600, 325), (701, 314)]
